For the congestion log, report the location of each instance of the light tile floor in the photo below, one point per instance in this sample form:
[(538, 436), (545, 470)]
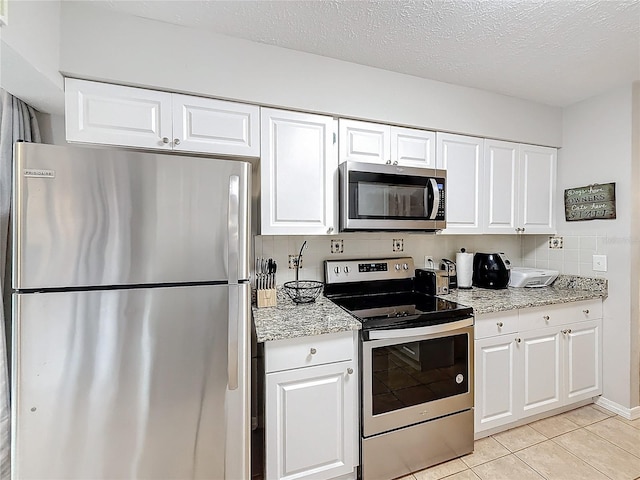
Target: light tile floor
[(588, 443)]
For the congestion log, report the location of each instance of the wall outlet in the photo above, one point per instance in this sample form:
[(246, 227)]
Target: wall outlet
[(428, 262), (292, 261), (599, 263), (555, 243), (398, 245), (337, 245)]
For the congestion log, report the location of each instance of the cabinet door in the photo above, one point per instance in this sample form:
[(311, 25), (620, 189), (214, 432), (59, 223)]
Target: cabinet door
[(501, 176), (311, 422), (537, 189), (299, 173), (462, 158), (116, 115), (413, 148), (583, 363), (364, 141), (542, 372), (497, 392), (215, 126)]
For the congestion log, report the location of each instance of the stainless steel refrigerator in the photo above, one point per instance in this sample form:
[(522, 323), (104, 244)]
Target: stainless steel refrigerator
[(131, 315)]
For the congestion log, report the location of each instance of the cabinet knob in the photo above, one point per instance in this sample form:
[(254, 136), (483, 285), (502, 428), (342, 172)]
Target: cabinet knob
[(500, 324), (518, 229), (165, 140), (518, 340), (313, 351), (349, 370), (568, 330), (330, 230), (522, 229), (395, 162), (546, 318), (176, 141), (388, 162), (586, 312)]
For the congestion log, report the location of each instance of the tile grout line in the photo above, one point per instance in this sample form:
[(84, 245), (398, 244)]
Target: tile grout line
[(609, 441), (585, 461)]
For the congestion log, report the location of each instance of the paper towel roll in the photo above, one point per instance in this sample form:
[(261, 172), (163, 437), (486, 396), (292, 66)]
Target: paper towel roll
[(464, 269)]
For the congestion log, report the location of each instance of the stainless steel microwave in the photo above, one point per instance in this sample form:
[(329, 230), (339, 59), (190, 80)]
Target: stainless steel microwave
[(391, 197)]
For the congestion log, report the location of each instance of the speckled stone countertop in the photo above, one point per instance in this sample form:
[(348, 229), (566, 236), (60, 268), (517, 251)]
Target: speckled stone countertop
[(290, 320), (566, 288)]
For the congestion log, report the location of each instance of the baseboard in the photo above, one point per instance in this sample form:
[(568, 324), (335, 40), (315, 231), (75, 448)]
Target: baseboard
[(628, 413)]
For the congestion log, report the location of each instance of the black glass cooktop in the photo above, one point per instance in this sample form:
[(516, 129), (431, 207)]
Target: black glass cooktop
[(391, 310)]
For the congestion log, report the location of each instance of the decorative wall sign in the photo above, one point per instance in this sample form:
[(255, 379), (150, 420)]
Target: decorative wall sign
[(590, 202)]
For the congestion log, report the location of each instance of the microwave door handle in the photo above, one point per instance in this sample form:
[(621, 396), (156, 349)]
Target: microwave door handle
[(433, 187)]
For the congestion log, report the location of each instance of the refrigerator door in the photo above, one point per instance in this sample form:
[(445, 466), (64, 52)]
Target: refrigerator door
[(130, 384), (98, 217)]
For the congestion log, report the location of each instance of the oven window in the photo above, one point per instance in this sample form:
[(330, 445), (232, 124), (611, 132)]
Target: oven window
[(419, 372)]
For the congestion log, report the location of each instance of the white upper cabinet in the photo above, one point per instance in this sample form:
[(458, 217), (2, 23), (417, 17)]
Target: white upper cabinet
[(298, 173), (413, 148), (501, 174), (136, 117), (538, 167), (520, 185), (364, 141), (378, 143), (115, 115), (215, 126), (463, 159)]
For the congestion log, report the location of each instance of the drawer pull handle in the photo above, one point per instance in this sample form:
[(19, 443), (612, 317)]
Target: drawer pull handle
[(518, 340), (349, 370), (546, 318), (313, 351), (500, 324), (586, 312)]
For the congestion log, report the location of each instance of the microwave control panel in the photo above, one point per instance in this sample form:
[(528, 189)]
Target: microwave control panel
[(441, 204)]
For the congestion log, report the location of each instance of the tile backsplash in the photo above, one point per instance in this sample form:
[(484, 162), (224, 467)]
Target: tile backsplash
[(575, 257), (372, 245)]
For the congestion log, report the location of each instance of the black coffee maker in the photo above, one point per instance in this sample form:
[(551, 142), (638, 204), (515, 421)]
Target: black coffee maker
[(491, 270)]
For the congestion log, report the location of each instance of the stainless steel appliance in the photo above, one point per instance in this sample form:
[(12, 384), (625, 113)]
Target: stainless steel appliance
[(131, 315), (416, 367), (391, 197), (491, 270), (450, 268)]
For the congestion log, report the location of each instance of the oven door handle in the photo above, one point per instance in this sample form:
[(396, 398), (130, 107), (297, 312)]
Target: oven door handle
[(419, 331)]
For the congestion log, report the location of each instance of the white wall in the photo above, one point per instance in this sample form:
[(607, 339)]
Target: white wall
[(102, 45), (30, 53), (597, 148)]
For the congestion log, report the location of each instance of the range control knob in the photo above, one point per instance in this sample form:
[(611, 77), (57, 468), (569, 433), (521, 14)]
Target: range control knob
[(346, 269), (397, 267), (405, 266), (336, 270)]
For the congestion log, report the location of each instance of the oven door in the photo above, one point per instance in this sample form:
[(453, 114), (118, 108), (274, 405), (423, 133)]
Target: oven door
[(389, 197), (413, 375)]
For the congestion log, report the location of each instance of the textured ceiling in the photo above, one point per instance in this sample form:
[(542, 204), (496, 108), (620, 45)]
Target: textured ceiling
[(554, 52)]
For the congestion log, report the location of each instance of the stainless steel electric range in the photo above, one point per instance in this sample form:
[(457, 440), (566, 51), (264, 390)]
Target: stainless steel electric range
[(416, 367)]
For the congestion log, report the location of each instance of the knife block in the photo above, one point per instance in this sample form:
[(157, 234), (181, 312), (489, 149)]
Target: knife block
[(266, 298)]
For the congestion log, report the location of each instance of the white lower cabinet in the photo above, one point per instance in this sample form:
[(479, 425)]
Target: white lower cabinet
[(311, 407), (534, 360)]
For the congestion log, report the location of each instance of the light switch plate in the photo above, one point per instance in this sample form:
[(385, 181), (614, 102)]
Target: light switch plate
[(599, 263)]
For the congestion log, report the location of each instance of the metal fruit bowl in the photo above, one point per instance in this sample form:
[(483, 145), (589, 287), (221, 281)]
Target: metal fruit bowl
[(303, 291)]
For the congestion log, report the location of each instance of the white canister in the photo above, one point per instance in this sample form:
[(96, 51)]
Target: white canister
[(464, 269)]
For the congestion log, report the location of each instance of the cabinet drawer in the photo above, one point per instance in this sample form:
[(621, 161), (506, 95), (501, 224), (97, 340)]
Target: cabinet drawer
[(307, 351), (560, 314), (498, 323)]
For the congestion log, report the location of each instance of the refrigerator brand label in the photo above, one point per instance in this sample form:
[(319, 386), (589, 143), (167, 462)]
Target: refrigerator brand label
[(37, 172)]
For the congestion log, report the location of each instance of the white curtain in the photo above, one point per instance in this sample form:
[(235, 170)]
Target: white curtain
[(17, 122)]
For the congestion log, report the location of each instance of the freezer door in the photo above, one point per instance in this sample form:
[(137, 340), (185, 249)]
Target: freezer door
[(130, 384), (95, 217)]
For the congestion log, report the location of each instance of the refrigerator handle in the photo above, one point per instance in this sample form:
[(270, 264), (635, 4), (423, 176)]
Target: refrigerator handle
[(233, 254)]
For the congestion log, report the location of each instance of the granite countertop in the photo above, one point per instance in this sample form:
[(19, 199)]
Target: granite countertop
[(290, 320), (567, 288)]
